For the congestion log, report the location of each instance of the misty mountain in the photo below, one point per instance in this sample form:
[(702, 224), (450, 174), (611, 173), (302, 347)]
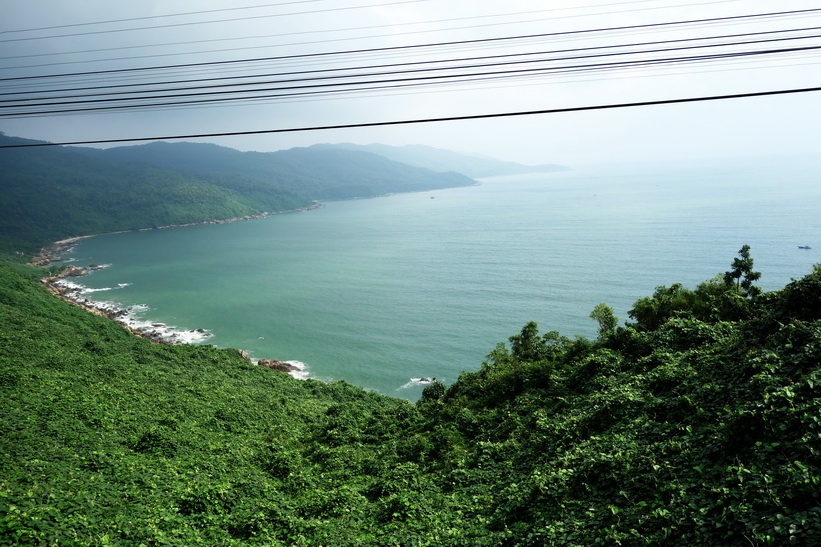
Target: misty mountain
[(51, 193), (315, 173), (440, 160)]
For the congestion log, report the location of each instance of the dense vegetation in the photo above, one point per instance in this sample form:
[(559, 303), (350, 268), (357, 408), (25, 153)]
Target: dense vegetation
[(315, 173), (53, 193), (696, 423)]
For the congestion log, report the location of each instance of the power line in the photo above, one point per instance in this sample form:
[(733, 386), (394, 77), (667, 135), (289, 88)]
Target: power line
[(158, 16), (278, 4), (341, 82), (611, 4), (233, 79), (290, 91), (173, 25), (245, 37), (415, 46), (268, 46), (433, 120)]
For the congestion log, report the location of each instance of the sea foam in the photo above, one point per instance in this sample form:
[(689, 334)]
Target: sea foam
[(416, 382), (131, 317), (300, 374)]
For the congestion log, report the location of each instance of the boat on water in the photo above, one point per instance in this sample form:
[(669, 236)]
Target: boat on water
[(804, 247)]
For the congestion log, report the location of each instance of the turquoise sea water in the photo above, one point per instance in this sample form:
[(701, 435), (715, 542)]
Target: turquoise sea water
[(384, 291)]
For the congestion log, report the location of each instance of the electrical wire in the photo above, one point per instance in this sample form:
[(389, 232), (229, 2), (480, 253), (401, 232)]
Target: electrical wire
[(351, 73), (147, 17), (431, 120), (303, 90), (244, 37), (231, 79), (190, 23), (346, 82), (417, 46)]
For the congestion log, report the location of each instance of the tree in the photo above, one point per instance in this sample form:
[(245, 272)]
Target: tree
[(606, 318), (651, 312), (742, 275), (527, 346)]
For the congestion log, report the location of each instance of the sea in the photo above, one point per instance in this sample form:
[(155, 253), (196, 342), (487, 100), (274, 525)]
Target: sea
[(389, 293)]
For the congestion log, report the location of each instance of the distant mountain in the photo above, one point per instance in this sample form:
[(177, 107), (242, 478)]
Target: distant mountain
[(440, 160), (51, 193), (315, 173)]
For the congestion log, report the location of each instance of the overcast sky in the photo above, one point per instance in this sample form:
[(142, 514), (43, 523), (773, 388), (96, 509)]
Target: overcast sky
[(48, 37)]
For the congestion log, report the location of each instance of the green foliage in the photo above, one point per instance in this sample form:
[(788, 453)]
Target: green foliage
[(529, 346), (105, 435), (699, 424), (725, 298), (742, 275), (607, 320)]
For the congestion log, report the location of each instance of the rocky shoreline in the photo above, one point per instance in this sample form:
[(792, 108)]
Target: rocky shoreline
[(273, 364), (157, 333)]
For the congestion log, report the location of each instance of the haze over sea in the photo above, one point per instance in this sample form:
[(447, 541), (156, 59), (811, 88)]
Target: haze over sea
[(381, 292)]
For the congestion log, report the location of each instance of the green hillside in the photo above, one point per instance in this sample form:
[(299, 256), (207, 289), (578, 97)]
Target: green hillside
[(312, 173), (697, 423), (52, 193)]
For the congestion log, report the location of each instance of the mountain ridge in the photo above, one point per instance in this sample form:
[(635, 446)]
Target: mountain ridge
[(53, 193)]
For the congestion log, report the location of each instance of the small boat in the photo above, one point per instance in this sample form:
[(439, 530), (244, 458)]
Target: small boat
[(804, 247)]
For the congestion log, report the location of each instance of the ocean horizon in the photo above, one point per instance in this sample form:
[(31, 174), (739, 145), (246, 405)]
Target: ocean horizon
[(388, 292)]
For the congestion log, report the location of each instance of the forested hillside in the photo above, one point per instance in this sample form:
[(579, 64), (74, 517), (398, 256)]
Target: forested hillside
[(51, 193), (313, 173), (696, 423)]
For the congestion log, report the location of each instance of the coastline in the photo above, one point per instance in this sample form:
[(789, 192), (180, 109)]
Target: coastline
[(157, 333), (65, 290), (51, 253)]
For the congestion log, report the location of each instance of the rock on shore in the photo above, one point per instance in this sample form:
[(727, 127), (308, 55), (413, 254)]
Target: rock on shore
[(281, 366), (73, 293)]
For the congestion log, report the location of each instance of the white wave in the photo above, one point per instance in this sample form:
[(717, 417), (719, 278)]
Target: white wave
[(132, 317), (161, 331), (301, 373), (86, 290), (70, 285), (415, 382)]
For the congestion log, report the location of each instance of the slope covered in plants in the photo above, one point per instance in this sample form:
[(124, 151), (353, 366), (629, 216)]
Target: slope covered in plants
[(695, 423), (52, 193)]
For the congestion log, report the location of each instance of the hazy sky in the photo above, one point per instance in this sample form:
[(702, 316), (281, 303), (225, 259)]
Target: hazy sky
[(49, 37)]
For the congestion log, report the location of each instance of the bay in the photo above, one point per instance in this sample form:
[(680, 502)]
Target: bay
[(383, 292)]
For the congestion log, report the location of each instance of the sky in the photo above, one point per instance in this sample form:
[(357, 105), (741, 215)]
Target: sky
[(464, 59)]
